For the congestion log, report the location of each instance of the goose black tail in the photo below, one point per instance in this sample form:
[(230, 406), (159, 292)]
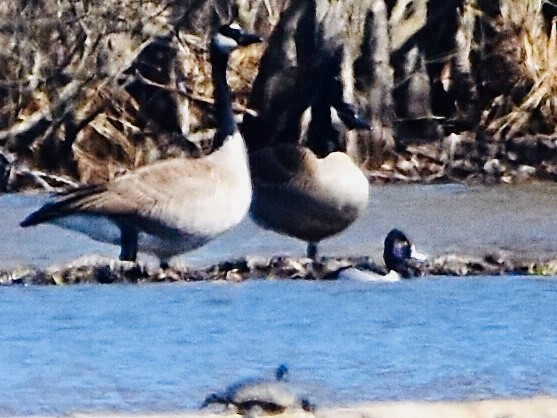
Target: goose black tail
[(44, 214), (67, 202)]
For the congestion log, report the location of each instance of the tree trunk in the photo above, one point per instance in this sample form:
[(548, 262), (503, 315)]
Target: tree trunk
[(374, 85)]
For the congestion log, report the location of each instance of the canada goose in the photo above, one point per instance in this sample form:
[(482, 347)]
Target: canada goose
[(270, 396), (303, 196), (175, 205), (297, 193), (397, 251), (284, 84), (304, 191)]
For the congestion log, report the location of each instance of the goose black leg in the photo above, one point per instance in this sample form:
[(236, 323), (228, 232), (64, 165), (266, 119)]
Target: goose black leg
[(312, 250), (128, 243)]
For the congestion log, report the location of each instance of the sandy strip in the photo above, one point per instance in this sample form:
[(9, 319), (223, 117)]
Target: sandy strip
[(536, 407)]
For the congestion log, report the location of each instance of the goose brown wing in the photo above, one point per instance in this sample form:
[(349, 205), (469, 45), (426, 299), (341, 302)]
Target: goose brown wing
[(281, 164), (66, 202), (134, 194)]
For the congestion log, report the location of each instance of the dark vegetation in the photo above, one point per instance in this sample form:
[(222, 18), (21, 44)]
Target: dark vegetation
[(454, 89)]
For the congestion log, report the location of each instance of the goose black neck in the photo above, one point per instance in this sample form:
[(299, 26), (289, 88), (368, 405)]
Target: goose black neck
[(223, 103), (322, 137)]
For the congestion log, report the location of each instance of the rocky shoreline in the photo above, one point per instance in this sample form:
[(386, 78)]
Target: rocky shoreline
[(105, 270)]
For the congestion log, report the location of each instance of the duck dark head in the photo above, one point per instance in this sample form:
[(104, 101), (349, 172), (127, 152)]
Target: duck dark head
[(230, 37), (398, 250)]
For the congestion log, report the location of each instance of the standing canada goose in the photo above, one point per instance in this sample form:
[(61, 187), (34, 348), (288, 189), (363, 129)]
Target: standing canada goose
[(331, 116), (397, 251), (297, 193), (304, 191), (270, 396), (175, 205)]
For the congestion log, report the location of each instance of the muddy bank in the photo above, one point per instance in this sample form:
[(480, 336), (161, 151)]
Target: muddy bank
[(526, 408), (536, 407)]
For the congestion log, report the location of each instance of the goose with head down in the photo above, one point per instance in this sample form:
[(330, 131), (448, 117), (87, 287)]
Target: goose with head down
[(175, 205), (306, 197), (309, 193)]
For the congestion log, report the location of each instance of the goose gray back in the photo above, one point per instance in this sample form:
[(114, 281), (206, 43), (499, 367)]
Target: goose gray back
[(175, 205)]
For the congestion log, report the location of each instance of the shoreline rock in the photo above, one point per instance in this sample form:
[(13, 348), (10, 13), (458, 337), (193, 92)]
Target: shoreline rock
[(105, 270)]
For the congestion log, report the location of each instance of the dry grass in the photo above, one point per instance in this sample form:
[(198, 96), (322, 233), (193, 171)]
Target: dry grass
[(538, 64), (63, 102), (57, 61), (64, 108)]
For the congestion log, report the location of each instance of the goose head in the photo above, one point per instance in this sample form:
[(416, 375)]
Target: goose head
[(348, 115), (230, 37), (398, 250)]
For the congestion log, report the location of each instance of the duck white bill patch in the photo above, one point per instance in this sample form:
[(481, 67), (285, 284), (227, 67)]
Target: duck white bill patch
[(416, 255)]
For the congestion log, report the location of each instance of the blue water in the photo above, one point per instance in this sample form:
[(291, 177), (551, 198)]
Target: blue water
[(148, 348)]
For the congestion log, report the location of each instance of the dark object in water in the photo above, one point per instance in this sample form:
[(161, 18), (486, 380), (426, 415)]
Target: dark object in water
[(270, 396)]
